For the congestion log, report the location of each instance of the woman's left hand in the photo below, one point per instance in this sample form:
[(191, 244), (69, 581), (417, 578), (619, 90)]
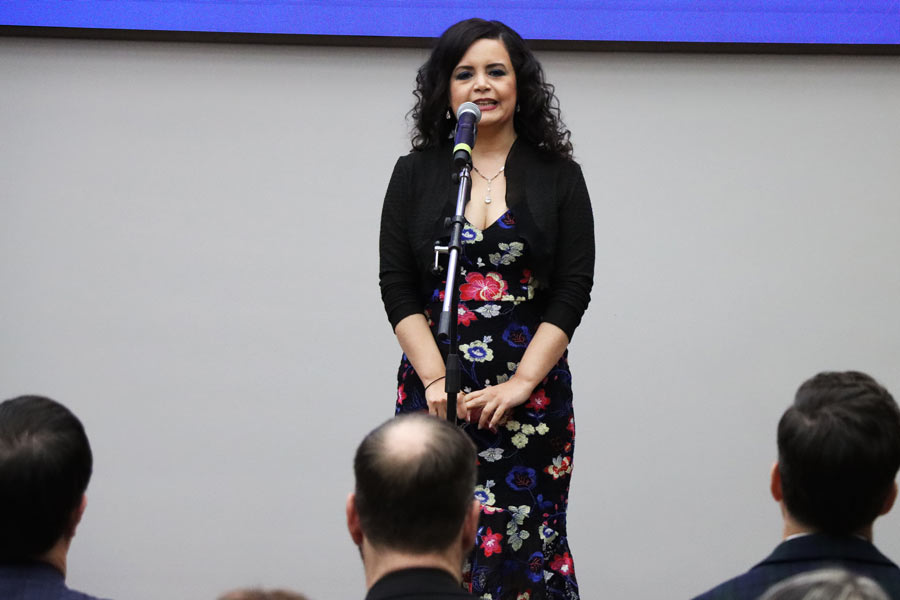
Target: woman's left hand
[(494, 404)]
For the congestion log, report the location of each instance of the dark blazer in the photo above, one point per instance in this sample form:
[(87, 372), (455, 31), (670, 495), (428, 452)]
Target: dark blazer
[(553, 214), (808, 553), (417, 584), (35, 581)]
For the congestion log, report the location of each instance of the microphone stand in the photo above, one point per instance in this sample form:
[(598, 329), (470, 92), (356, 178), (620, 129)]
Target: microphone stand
[(447, 323)]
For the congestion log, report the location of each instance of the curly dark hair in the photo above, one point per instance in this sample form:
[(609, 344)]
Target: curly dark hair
[(538, 117)]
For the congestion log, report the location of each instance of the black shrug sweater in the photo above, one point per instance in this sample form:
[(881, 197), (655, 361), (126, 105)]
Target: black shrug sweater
[(553, 214)]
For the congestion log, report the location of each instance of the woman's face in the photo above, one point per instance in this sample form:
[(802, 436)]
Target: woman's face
[(485, 76)]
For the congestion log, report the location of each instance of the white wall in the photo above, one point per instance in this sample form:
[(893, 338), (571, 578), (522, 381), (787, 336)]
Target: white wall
[(188, 257)]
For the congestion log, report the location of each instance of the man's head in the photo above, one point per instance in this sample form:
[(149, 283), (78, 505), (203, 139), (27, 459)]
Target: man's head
[(261, 594), (45, 466), (415, 480), (826, 584), (838, 453)]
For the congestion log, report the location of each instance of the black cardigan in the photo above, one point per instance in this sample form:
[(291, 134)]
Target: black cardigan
[(553, 214)]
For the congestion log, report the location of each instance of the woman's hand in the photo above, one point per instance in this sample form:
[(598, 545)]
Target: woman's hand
[(493, 405), (437, 401)]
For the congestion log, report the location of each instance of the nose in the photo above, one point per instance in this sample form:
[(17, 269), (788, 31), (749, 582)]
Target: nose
[(481, 81)]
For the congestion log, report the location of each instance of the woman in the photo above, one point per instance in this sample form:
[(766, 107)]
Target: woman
[(527, 263)]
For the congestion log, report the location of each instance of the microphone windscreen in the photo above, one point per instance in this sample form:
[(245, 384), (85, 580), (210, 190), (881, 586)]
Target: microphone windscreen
[(469, 107)]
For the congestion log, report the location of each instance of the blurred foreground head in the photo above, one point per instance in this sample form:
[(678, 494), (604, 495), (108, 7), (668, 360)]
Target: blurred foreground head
[(838, 453), (415, 481), (826, 584), (413, 505), (260, 594), (45, 466)]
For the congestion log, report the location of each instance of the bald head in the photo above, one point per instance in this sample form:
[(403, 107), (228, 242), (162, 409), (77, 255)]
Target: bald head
[(415, 479), (407, 440)]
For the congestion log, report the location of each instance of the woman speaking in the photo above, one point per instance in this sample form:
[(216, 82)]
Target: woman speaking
[(526, 275)]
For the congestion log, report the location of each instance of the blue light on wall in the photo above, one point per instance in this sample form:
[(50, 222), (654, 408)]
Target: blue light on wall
[(735, 21)]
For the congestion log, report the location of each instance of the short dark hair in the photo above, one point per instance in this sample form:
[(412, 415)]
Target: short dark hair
[(415, 501), (839, 451), (261, 594), (826, 584), (45, 466), (537, 119)]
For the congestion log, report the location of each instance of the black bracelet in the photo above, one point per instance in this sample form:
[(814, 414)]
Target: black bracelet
[(433, 382)]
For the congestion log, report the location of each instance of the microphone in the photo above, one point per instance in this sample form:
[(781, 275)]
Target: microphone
[(467, 117)]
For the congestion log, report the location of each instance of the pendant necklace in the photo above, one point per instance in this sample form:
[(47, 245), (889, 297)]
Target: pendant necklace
[(489, 180)]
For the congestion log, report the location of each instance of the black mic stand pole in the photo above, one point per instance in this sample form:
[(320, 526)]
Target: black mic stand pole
[(450, 310)]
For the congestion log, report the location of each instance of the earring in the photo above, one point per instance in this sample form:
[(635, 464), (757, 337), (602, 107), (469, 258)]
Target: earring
[(518, 107), (449, 114)]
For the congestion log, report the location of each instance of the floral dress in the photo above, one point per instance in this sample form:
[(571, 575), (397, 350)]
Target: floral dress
[(521, 549)]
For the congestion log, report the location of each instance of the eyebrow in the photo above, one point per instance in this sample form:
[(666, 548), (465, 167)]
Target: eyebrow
[(488, 66)]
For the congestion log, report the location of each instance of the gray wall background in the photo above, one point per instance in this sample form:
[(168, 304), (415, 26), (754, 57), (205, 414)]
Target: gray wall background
[(188, 256)]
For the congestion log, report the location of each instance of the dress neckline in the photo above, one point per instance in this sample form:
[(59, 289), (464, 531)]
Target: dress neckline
[(491, 224)]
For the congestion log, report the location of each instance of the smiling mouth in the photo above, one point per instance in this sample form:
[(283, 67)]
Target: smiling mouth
[(483, 103)]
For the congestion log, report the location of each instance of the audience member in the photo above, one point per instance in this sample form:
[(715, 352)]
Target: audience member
[(261, 594), (826, 584), (413, 514), (45, 466), (838, 456)]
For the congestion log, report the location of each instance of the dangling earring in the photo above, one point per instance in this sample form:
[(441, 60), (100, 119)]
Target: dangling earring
[(449, 114), (518, 107)]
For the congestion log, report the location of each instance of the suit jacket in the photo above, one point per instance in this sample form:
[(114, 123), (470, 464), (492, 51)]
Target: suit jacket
[(553, 215), (35, 581), (418, 584), (808, 553)]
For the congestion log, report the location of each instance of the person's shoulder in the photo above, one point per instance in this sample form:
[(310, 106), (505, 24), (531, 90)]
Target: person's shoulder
[(752, 583), (76, 595), (441, 152), (742, 587), (538, 163), (889, 578), (417, 583), (420, 167), (43, 583)]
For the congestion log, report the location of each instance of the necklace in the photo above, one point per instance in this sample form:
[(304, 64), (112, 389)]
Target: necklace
[(487, 197)]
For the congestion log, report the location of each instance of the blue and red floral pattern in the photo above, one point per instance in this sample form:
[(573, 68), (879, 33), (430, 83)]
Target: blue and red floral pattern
[(521, 550)]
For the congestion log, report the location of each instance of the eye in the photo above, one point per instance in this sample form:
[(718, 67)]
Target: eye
[(497, 72), (463, 75)]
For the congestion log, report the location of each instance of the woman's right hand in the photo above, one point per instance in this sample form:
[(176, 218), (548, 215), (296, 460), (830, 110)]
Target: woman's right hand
[(422, 351), (436, 398)]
